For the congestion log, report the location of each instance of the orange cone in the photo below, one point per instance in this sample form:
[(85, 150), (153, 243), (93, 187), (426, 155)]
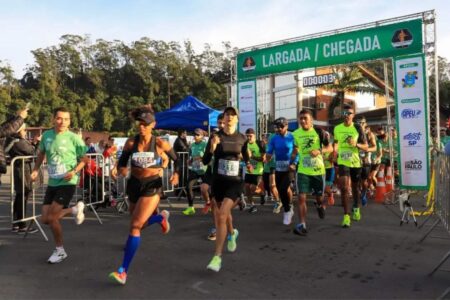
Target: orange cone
[(381, 187), (389, 185)]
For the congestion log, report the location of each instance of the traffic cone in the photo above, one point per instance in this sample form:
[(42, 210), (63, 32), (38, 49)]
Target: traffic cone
[(381, 187), (389, 185)]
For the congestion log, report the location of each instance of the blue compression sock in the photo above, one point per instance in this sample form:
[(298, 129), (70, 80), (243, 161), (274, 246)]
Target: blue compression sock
[(130, 249), (154, 219)]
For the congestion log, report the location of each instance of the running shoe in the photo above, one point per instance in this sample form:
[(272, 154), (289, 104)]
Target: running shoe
[(320, 210), (215, 264), (27, 230), (252, 209), (189, 211), (356, 214), (212, 235), (120, 276), (287, 217), (206, 208), (277, 207), (300, 229), (79, 216), (232, 245), (346, 221), (364, 197), (165, 225), (57, 256)]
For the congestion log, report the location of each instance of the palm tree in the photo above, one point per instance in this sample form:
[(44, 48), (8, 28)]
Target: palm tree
[(348, 79)]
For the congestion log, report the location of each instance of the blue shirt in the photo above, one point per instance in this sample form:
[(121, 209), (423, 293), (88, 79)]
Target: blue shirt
[(282, 145)]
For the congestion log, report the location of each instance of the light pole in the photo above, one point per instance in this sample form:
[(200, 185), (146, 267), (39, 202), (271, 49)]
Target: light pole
[(168, 77)]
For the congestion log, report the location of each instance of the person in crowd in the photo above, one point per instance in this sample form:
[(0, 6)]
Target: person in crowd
[(7, 129), (89, 145), (310, 144), (181, 145), (282, 145), (349, 139), (227, 186), (149, 155), (253, 178), (268, 178), (65, 152), (196, 170), (19, 145)]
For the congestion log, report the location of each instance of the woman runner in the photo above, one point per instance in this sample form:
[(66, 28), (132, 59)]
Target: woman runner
[(149, 155)]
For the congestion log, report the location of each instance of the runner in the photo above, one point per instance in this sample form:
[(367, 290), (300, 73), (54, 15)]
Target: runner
[(149, 155), (328, 160), (227, 185), (366, 159), (253, 178), (282, 145), (65, 152), (205, 187), (309, 143), (196, 170), (376, 161), (349, 139), (269, 178)]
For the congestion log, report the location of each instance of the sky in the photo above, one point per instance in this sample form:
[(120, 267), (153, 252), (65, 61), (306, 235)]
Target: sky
[(27, 25)]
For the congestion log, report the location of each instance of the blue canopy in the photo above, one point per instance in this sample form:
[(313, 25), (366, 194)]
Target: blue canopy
[(189, 113)]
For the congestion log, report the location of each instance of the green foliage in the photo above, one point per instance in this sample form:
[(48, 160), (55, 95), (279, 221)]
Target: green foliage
[(101, 82)]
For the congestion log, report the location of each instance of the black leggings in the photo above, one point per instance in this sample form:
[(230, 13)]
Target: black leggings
[(283, 182), (191, 182), (266, 182)]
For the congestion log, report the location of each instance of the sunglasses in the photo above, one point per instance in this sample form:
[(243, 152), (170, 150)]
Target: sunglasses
[(280, 126), (347, 113)]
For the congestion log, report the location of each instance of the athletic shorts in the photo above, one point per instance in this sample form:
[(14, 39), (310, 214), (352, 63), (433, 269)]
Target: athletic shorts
[(365, 171), (330, 174), (145, 187), (60, 194), (313, 184), (374, 167), (354, 173), (252, 179), (222, 188)]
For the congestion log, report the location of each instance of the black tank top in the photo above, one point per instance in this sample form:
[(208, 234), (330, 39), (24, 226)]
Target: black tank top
[(147, 159)]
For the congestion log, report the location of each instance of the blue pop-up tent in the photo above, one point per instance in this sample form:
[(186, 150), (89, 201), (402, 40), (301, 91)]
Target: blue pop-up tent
[(190, 113)]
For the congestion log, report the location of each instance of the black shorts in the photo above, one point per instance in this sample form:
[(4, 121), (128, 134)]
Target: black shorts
[(145, 187), (354, 173), (207, 177), (60, 194), (223, 188), (252, 179), (365, 171), (374, 167)]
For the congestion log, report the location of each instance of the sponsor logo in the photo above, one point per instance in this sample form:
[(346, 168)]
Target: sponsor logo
[(412, 138), (410, 79), (402, 38), (408, 113), (413, 165), (249, 64)]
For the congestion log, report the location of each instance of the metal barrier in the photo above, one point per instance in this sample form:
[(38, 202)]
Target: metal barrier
[(25, 188), (441, 192)]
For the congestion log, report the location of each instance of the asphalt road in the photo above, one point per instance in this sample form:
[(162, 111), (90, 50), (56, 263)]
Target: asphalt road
[(375, 258)]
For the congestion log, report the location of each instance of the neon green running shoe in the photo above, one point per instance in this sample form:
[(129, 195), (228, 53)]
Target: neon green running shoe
[(189, 211), (346, 221), (356, 215), (120, 276), (231, 245), (215, 264)]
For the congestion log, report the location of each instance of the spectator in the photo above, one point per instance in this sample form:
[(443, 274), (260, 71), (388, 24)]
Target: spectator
[(181, 145), (89, 144)]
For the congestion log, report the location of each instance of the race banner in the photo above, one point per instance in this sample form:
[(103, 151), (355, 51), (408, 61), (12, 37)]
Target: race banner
[(412, 121), (247, 105), (386, 41)]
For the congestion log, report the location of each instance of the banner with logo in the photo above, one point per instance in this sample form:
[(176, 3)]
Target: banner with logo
[(247, 105), (385, 41), (412, 121)]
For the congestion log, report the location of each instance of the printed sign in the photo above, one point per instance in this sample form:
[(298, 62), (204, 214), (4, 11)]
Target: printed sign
[(247, 105), (411, 105)]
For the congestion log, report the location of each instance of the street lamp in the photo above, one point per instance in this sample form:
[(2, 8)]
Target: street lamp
[(168, 77)]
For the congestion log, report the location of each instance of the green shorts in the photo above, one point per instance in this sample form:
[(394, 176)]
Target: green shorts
[(314, 184)]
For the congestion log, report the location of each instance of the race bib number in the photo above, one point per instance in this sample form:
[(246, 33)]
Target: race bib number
[(228, 167), (282, 165), (308, 162), (346, 156), (57, 171), (143, 159), (197, 165)]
